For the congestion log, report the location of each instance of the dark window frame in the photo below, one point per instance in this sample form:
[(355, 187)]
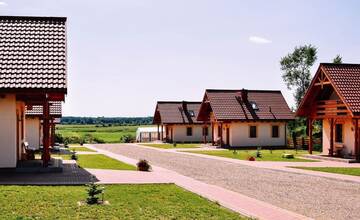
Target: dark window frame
[(206, 131), (339, 133), (252, 129), (277, 131), (189, 131)]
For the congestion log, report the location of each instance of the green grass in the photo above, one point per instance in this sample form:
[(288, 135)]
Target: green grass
[(276, 155), (99, 161), (353, 171), (153, 201), (95, 133), (83, 149), (171, 146)]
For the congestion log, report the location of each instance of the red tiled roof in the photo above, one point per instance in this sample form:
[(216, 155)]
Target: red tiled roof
[(32, 53), (176, 112), (346, 79), (230, 105), (37, 110)]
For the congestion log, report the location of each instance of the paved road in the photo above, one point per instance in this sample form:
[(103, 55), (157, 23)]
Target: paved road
[(316, 197)]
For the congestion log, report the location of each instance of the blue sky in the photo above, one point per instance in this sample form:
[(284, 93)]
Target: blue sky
[(124, 55)]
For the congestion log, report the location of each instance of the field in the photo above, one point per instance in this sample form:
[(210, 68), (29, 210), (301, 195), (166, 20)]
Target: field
[(96, 133), (153, 201)]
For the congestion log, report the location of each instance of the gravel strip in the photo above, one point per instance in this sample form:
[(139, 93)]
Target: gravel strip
[(316, 197)]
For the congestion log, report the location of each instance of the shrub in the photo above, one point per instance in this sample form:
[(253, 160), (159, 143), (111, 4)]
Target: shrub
[(127, 138), (74, 155), (258, 152), (98, 140), (251, 158), (143, 165), (93, 192), (59, 138)]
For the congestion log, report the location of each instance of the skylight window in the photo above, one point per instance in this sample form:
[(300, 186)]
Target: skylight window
[(191, 113), (254, 106)]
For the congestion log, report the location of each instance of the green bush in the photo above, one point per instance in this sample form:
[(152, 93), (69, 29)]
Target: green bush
[(127, 138)]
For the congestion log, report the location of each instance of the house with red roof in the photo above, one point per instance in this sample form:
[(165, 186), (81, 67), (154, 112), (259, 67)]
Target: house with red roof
[(246, 118), (177, 122), (33, 65), (333, 97)]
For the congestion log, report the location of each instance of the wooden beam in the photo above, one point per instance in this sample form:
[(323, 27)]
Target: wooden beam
[(310, 124), (158, 132), (221, 134), (212, 134), (331, 151), (46, 131), (162, 132), (357, 140)]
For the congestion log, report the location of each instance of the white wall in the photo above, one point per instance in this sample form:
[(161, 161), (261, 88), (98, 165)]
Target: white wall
[(348, 136), (8, 132), (197, 133), (33, 132), (239, 134)]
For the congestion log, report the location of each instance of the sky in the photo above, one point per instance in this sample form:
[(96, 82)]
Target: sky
[(124, 55)]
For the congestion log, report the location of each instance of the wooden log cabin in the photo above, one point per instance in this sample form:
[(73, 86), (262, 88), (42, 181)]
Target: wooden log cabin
[(334, 98), (32, 72)]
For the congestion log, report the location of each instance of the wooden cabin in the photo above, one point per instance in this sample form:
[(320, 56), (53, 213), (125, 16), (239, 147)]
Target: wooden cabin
[(246, 118), (32, 72), (177, 122), (334, 98)]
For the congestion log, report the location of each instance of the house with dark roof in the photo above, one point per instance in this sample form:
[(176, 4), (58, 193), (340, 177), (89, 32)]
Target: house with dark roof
[(177, 122), (334, 98), (32, 72), (33, 123), (246, 118)]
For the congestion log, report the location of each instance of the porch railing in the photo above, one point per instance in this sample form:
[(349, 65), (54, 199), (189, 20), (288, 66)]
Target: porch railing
[(331, 108)]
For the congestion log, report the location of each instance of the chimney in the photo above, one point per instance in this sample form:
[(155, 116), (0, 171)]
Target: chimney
[(244, 95), (184, 106)]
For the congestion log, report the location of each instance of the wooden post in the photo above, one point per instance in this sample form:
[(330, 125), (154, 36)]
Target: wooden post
[(162, 132), (331, 150), (46, 131), (221, 134), (158, 132), (52, 133), (310, 124), (204, 133), (357, 144), (212, 134)]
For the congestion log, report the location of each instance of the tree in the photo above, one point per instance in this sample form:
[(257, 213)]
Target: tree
[(337, 59), (296, 69)]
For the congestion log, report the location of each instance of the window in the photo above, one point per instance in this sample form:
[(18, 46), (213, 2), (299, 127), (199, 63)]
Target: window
[(339, 133), (191, 113), (275, 131), (189, 131), (254, 106), (205, 131), (253, 131)]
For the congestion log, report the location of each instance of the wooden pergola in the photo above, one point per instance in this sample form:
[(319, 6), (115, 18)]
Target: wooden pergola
[(44, 99), (325, 101)]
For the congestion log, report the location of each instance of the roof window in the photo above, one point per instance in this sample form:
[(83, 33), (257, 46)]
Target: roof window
[(254, 106), (191, 113)]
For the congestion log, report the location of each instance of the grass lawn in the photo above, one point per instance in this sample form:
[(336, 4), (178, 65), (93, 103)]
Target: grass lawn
[(99, 161), (80, 149), (354, 171), (276, 155), (153, 201), (171, 146)]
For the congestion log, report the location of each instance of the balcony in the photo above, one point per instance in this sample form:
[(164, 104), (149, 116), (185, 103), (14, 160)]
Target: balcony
[(331, 109)]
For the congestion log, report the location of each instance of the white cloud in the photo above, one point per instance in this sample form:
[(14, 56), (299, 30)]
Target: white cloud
[(259, 40), (3, 4)]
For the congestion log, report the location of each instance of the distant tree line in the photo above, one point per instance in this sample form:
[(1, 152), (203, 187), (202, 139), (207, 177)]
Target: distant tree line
[(71, 120)]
